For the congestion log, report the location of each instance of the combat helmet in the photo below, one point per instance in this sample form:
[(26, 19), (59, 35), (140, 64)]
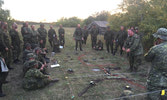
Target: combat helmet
[(161, 33)]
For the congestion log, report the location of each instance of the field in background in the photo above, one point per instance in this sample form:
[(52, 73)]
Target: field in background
[(71, 84)]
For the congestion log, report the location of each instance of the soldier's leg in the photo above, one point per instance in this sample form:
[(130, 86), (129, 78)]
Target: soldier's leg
[(76, 45), (131, 61), (92, 42), (137, 62), (80, 45), (44, 43), (50, 41), (116, 48), (111, 46), (107, 45), (63, 41), (121, 46)]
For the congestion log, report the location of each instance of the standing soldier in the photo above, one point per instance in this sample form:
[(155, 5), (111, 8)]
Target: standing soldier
[(26, 33), (109, 39), (157, 55), (134, 47), (51, 35), (78, 37), (43, 35), (34, 37), (94, 32), (7, 52), (85, 32), (16, 42), (61, 35), (120, 39)]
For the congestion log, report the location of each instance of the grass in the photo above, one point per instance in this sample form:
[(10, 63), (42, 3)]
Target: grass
[(72, 84)]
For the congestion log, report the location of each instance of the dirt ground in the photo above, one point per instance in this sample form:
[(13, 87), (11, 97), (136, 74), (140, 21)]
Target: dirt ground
[(83, 63)]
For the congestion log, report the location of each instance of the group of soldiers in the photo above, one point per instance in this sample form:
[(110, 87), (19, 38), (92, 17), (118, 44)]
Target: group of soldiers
[(34, 52)]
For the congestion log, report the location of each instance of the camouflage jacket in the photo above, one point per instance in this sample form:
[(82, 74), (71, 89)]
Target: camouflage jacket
[(15, 39), (157, 55), (2, 43), (51, 33), (26, 32), (6, 39), (43, 33), (85, 32), (94, 32), (134, 44), (61, 31), (121, 36), (109, 36), (78, 34), (34, 37)]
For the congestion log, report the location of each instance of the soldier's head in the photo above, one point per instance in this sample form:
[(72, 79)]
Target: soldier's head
[(78, 25), (4, 25), (85, 27), (30, 56), (94, 26), (33, 64), (51, 27), (33, 27), (14, 26), (28, 46), (108, 28), (26, 24), (122, 27), (60, 25), (38, 50), (42, 25), (136, 29), (161, 34), (130, 32)]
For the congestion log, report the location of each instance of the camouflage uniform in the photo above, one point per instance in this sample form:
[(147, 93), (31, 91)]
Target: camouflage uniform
[(2, 43), (34, 39), (56, 45), (61, 36), (27, 34), (7, 55), (25, 53), (120, 39), (157, 55), (99, 46), (85, 32), (34, 79), (94, 32), (109, 37), (78, 35), (16, 42), (43, 36), (136, 50), (51, 35)]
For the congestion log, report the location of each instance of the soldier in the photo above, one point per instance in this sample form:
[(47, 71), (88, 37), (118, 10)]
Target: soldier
[(34, 79), (61, 35), (43, 35), (99, 46), (120, 39), (6, 54), (2, 43), (85, 32), (26, 51), (138, 33), (78, 37), (16, 43), (26, 33), (56, 45), (134, 47), (157, 55), (3, 75), (94, 32), (109, 39), (51, 35), (34, 37)]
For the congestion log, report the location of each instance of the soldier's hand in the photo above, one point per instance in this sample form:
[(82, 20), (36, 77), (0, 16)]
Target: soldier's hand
[(6, 49), (128, 50), (82, 38), (41, 41), (123, 49)]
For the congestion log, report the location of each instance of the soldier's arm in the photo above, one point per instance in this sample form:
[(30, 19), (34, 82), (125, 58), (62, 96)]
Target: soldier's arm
[(74, 35), (105, 34), (149, 56)]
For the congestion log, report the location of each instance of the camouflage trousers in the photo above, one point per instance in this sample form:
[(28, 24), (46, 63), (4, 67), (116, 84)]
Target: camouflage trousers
[(156, 95), (134, 61), (7, 55), (94, 40), (42, 45), (16, 51), (31, 84)]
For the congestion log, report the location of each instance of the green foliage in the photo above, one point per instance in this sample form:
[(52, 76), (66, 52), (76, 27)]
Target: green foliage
[(69, 22), (148, 15)]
